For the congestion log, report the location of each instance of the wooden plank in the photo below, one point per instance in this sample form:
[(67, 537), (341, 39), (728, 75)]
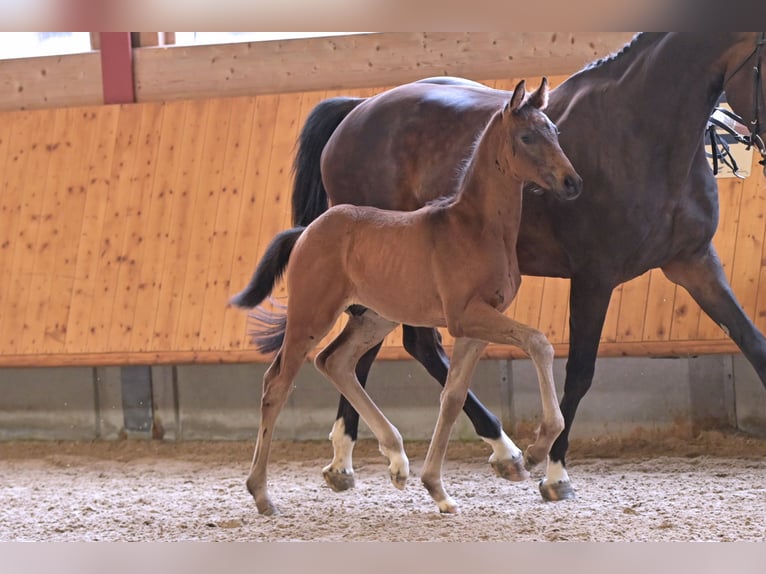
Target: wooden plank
[(109, 258), (158, 223), (249, 355), (632, 312), (251, 215), (136, 205), (609, 332), (51, 81), (276, 200), (199, 247), (10, 195), (748, 253), (660, 298), (36, 228), (88, 247), (48, 308), (179, 231), (724, 241), (217, 282), (26, 154), (366, 60), (553, 309)]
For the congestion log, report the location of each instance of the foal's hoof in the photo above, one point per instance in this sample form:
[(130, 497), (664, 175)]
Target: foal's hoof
[(339, 481), (448, 506), (266, 507), (531, 460), (399, 480), (510, 469), (556, 490)]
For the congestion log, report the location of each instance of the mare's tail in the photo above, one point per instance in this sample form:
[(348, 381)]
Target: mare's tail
[(309, 199), (268, 330)]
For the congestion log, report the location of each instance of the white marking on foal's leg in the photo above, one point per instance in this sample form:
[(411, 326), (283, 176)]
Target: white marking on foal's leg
[(339, 474), (506, 459), (399, 466)]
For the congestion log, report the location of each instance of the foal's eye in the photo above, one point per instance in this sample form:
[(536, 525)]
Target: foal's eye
[(527, 139)]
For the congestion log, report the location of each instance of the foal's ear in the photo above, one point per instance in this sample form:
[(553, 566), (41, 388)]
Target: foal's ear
[(539, 97), (517, 98)]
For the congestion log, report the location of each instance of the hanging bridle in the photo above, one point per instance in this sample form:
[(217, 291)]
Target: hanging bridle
[(720, 149)]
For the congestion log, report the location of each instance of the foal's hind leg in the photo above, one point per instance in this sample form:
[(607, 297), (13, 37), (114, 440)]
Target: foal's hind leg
[(339, 474), (424, 344), (277, 386), (465, 355), (337, 362)]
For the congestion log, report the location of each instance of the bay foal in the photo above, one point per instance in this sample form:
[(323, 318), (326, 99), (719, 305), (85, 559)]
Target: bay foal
[(459, 254)]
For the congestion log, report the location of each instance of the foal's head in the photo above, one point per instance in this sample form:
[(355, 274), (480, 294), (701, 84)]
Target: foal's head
[(531, 150)]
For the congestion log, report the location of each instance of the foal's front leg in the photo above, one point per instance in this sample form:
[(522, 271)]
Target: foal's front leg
[(482, 321), (465, 355)]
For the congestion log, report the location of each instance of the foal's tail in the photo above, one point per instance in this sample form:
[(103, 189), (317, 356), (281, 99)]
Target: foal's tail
[(268, 326), (309, 195)]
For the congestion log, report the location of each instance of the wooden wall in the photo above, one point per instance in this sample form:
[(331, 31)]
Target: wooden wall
[(125, 229)]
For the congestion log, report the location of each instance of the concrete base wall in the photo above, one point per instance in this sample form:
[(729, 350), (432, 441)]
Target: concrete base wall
[(212, 402)]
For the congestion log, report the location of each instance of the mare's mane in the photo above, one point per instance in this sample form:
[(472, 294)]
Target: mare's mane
[(639, 40)]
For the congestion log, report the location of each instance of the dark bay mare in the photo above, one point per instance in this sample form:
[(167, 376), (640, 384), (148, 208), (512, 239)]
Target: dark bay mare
[(632, 125), (460, 251)]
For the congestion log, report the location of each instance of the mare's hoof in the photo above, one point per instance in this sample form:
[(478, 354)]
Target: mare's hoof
[(339, 481), (398, 480), (555, 491), (510, 469)]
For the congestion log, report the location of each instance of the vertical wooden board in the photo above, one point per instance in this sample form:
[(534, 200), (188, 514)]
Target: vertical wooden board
[(632, 313), (276, 191), (660, 297), (51, 219), (217, 284), (157, 231), (553, 308), (66, 185), (136, 209), (749, 248), (114, 226), (686, 317), (760, 310), (8, 203), (27, 154), (203, 225), (609, 332), (251, 214), (529, 301), (31, 273), (87, 259), (180, 227), (724, 241)]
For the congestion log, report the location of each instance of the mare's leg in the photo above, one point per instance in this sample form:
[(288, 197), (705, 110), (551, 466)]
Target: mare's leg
[(704, 279), (424, 344), (339, 474), (465, 354), (588, 303), (481, 321), (337, 362)]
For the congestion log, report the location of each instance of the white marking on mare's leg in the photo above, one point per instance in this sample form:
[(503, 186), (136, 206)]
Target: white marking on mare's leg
[(506, 459), (556, 484), (339, 474)]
